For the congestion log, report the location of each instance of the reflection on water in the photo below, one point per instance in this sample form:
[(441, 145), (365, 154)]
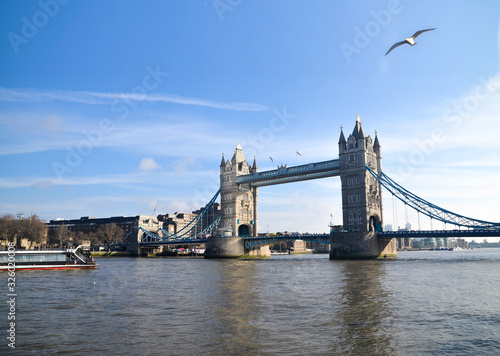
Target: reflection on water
[(365, 312), (233, 308)]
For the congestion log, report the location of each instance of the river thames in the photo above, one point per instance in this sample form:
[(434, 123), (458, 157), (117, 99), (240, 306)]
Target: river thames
[(423, 303)]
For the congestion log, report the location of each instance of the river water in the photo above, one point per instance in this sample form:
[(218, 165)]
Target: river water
[(423, 303)]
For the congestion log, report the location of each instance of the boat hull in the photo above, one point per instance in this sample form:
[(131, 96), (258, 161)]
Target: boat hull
[(47, 267)]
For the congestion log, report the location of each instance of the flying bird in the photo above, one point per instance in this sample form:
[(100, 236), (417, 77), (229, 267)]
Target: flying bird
[(409, 40)]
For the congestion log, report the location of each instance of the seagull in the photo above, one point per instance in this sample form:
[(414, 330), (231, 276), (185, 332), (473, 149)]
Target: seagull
[(410, 40)]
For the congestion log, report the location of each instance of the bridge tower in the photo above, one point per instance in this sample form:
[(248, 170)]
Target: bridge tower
[(361, 199), (238, 201), (238, 211)]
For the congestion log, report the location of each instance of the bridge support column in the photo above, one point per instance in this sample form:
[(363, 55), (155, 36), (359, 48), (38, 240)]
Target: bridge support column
[(233, 247), (225, 247), (262, 252), (357, 246)]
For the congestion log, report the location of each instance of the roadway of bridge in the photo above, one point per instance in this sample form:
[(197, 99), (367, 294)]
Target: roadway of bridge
[(253, 242), (174, 242), (440, 233)]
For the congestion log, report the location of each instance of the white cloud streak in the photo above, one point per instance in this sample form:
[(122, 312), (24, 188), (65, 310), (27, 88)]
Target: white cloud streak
[(158, 179), (96, 98)]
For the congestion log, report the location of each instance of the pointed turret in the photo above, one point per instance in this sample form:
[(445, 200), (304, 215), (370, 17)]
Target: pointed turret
[(342, 137), (254, 165), (376, 144), (342, 141), (358, 132), (238, 155), (223, 162)]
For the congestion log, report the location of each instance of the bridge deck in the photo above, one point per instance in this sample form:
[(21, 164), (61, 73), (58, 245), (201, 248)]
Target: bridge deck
[(292, 174), (173, 242), (440, 233), (255, 242)]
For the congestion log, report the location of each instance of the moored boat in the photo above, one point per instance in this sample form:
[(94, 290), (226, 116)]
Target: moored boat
[(77, 258)]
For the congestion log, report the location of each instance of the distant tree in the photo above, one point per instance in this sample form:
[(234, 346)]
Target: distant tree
[(34, 229), (14, 230), (61, 236), (6, 222), (109, 233), (79, 237), (11, 229), (92, 237)]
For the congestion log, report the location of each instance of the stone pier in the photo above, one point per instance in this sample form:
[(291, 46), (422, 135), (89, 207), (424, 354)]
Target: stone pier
[(233, 247), (358, 246), (225, 247)]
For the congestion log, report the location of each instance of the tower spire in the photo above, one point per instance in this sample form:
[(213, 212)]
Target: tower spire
[(223, 162), (376, 144), (358, 131), (342, 137)]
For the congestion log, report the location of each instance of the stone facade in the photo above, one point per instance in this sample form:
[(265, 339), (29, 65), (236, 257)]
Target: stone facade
[(361, 200), (238, 201), (176, 222), (361, 192)]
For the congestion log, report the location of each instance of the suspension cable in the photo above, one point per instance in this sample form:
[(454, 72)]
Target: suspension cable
[(427, 208)]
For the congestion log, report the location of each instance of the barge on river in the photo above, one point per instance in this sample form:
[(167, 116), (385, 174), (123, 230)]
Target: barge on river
[(77, 258)]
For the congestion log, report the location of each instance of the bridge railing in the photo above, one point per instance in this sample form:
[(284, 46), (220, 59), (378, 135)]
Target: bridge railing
[(289, 171)]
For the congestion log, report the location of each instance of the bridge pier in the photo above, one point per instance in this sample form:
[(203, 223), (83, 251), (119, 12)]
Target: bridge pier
[(225, 247), (233, 247), (358, 246)]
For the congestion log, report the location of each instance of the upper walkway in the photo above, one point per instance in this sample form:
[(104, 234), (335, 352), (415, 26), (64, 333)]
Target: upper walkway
[(286, 174)]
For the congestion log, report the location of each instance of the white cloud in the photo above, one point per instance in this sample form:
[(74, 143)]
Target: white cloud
[(185, 164), (96, 98), (148, 165)]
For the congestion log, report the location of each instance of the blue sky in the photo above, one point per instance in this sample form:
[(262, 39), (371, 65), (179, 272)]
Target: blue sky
[(113, 108)]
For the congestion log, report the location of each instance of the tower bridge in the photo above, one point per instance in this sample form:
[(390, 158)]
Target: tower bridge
[(359, 167), (361, 198)]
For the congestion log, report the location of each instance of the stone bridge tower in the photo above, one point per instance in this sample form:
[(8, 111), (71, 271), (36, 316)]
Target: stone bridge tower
[(238, 211), (238, 201), (361, 193), (361, 199)]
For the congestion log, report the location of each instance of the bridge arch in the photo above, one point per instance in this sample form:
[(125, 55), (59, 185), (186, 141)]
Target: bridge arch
[(244, 230), (375, 223)]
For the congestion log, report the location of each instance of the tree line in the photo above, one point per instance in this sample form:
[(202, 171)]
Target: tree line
[(105, 234), (35, 231)]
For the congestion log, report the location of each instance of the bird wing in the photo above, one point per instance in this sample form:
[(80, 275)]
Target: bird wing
[(395, 45), (420, 32)]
